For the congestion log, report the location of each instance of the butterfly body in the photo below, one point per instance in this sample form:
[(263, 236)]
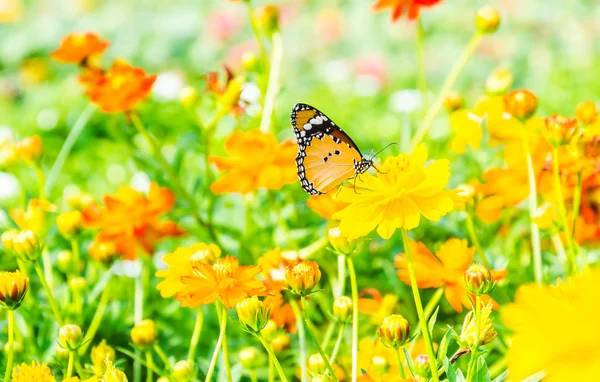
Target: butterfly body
[(326, 154)]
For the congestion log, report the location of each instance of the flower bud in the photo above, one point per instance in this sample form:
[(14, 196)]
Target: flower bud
[(268, 18), (144, 334), (339, 242), (183, 371), (64, 261), (270, 330), (421, 366), (249, 358), (78, 284), (100, 354), (30, 149), (280, 342), (8, 237), (204, 254), (252, 314), (586, 112), (79, 200), (103, 251), (499, 81), (342, 308), (454, 101), (466, 195), (188, 96), (394, 331), (112, 374), (25, 244), (487, 333), (322, 378), (380, 365), (13, 288), (249, 61), (559, 130), (487, 19), (69, 223), (70, 336), (521, 104), (302, 276), (478, 280), (316, 364)]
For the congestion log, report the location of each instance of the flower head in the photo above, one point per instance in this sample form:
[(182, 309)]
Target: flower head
[(105, 251), (404, 189), (252, 314), (421, 366), (559, 130), (412, 7), (586, 112), (342, 308), (119, 89), (37, 372), (225, 279), (478, 280), (131, 219), (144, 334), (70, 336), (302, 276), (255, 160), (69, 223), (446, 268), (30, 149), (487, 19), (340, 243), (487, 333), (100, 354), (13, 288), (521, 104), (183, 370), (394, 331), (112, 374), (75, 48), (34, 217)]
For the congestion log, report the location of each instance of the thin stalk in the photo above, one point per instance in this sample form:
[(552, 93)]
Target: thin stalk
[(66, 148), (76, 256), (226, 349), (97, 319), (273, 84), (475, 240), (577, 201), (55, 311), (301, 339), (473, 359), (419, 306), (431, 305), (354, 288), (341, 275), (70, 364), (163, 357), (215, 356), (338, 343), (257, 34), (313, 336), (535, 230), (271, 376), (421, 75), (138, 316), (437, 104), (558, 246), (253, 377), (149, 366), (272, 356), (11, 345), (39, 174), (400, 364), (196, 335), (328, 334), (560, 201)]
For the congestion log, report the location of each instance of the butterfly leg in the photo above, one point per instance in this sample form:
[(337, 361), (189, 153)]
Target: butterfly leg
[(376, 169)]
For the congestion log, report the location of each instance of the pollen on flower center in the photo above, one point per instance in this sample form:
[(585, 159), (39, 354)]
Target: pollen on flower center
[(225, 267)]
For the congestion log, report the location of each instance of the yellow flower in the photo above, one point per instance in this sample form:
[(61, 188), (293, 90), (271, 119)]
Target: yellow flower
[(144, 334), (181, 264), (13, 288), (467, 129), (37, 372), (69, 223), (302, 276), (113, 374), (34, 217), (571, 354), (468, 334), (403, 190)]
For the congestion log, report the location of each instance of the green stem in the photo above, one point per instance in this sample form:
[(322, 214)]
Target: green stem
[(70, 364), (149, 366), (196, 335), (435, 108), (66, 148), (475, 240), (215, 356), (226, 349), (271, 376), (163, 357), (577, 201), (138, 316), (338, 342), (558, 246), (535, 231), (257, 34), (55, 311), (301, 339), (421, 75), (39, 174), (419, 306), (560, 202), (76, 257), (341, 275), (313, 336), (328, 334), (273, 84), (157, 154), (11, 345), (272, 356), (400, 364), (354, 288), (431, 305), (473, 359), (97, 319), (253, 377)]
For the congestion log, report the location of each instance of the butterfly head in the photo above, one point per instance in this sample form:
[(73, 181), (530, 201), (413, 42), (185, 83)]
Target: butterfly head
[(363, 165)]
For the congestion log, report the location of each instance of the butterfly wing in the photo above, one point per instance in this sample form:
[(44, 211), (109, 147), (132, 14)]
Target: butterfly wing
[(326, 154)]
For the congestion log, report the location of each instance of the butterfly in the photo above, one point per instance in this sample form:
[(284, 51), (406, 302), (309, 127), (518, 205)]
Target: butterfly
[(326, 154)]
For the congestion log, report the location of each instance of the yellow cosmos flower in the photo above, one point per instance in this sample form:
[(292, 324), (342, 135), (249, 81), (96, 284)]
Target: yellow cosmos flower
[(405, 188), (34, 217), (467, 130), (181, 263), (538, 311), (37, 372)]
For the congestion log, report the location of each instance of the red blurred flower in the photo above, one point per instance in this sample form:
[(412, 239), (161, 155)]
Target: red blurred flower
[(75, 48), (399, 6)]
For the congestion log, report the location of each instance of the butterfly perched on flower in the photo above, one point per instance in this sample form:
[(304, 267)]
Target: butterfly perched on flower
[(326, 154)]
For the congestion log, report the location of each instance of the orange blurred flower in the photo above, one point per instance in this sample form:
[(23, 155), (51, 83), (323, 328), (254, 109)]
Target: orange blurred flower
[(227, 93), (226, 280), (30, 149), (372, 303), (446, 268), (326, 205), (119, 89), (273, 266), (131, 220), (255, 160), (412, 7), (587, 230), (75, 48), (34, 217)]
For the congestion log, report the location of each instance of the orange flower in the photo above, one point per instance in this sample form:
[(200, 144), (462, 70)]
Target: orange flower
[(399, 6), (446, 268), (255, 161), (372, 303), (587, 230), (131, 220), (228, 93), (34, 217), (273, 266), (119, 89), (326, 205), (226, 280), (75, 48)]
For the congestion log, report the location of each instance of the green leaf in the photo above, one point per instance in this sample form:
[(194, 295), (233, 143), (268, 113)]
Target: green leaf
[(482, 374), (450, 372), (409, 361), (535, 377), (443, 348), (432, 319), (460, 377), (501, 377)]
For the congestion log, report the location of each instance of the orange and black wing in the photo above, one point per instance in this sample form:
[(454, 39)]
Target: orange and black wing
[(326, 154)]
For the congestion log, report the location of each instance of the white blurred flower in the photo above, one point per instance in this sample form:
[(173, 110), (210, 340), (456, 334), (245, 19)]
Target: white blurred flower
[(128, 268), (140, 181), (405, 101), (47, 119), (10, 192), (335, 71), (168, 86)]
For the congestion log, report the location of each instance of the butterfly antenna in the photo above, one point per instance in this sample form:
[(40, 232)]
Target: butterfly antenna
[(379, 152)]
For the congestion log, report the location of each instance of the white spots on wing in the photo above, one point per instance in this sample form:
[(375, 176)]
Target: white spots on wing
[(316, 120), (307, 126)]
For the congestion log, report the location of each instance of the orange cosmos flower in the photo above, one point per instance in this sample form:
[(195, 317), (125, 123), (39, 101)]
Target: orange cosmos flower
[(119, 89), (399, 6), (226, 280), (372, 303), (273, 266), (326, 205), (76, 48), (446, 268), (131, 219), (255, 160)]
